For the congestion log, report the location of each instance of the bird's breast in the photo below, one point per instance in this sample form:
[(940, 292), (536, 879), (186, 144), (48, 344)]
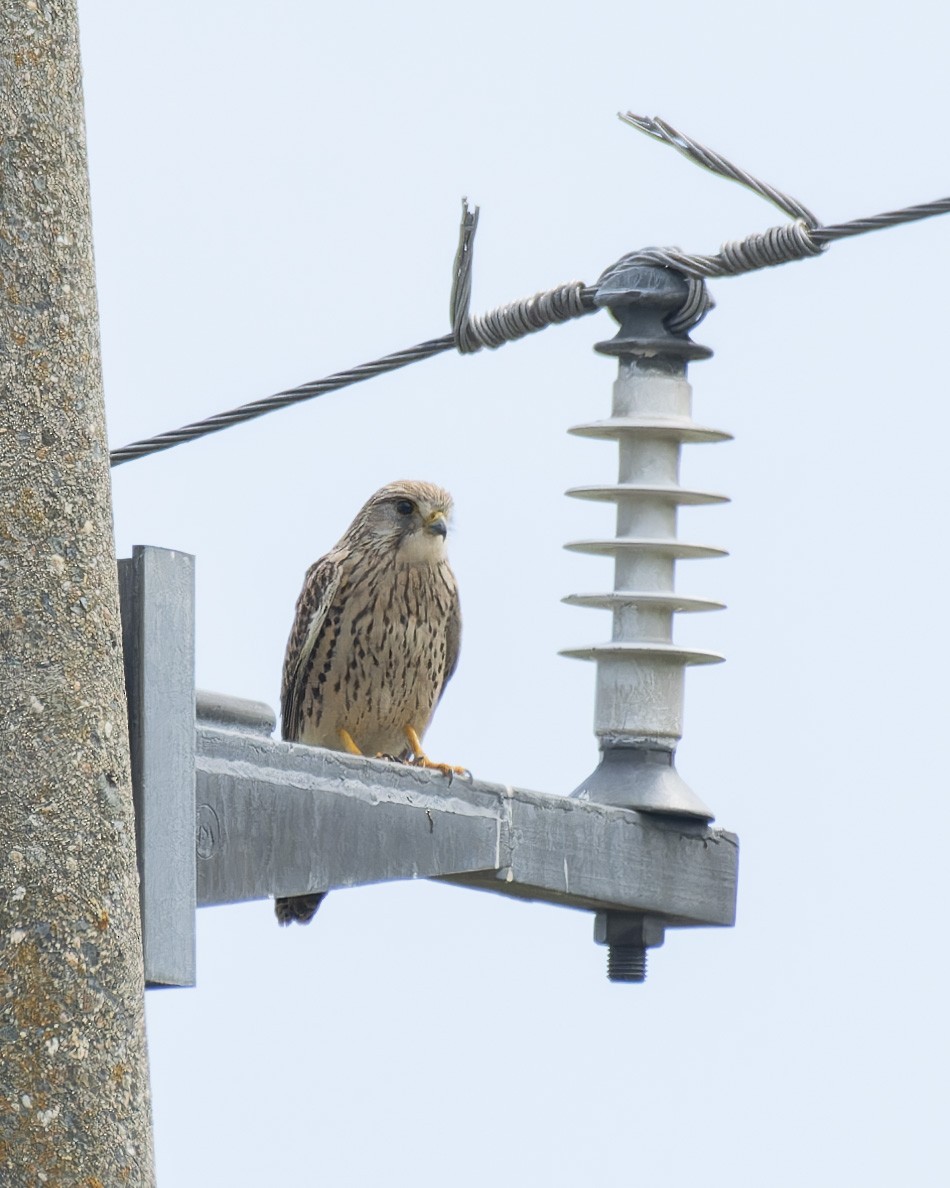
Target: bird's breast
[(383, 664)]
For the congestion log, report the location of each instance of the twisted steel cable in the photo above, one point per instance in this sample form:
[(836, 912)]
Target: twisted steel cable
[(257, 408), (512, 321), (805, 236), (699, 154)]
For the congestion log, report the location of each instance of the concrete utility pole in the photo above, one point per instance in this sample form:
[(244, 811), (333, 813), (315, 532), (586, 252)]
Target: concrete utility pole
[(74, 1102)]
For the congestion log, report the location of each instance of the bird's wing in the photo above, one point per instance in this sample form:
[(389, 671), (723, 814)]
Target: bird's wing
[(453, 639), (319, 589)]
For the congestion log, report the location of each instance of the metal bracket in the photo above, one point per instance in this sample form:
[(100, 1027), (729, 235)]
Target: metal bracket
[(157, 599), (274, 818)]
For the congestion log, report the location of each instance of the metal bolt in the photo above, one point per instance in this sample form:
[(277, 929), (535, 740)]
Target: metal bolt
[(626, 963), (628, 935)]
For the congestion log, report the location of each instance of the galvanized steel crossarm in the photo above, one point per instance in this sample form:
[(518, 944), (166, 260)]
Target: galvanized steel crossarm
[(227, 813), (584, 855), (277, 818)]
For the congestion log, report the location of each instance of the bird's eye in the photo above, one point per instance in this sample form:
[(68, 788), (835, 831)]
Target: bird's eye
[(405, 507)]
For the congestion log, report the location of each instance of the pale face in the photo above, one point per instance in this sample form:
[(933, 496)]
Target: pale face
[(414, 518)]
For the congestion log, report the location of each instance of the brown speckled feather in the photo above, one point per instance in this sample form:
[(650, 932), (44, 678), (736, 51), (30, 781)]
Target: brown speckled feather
[(321, 583)]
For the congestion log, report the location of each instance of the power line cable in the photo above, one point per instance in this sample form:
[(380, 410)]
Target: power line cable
[(805, 236)]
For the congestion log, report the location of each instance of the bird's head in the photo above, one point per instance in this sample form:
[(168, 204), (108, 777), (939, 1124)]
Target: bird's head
[(409, 517)]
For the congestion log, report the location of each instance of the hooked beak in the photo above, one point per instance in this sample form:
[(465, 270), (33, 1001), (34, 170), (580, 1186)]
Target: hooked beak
[(436, 525)]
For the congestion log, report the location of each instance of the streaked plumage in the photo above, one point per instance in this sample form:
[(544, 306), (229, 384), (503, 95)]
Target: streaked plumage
[(375, 637)]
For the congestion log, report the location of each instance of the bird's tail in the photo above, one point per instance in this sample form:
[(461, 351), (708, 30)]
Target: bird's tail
[(301, 908)]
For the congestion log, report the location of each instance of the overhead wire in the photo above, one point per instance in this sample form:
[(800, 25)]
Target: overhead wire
[(804, 237)]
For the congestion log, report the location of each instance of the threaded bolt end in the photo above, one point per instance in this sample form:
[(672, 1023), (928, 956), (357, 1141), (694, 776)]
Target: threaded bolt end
[(626, 963)]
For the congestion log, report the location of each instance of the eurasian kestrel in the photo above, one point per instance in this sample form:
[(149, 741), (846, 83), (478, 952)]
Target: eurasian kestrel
[(375, 638)]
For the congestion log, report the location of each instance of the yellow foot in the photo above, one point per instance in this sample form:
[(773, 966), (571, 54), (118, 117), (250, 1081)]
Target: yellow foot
[(348, 744), (421, 759)]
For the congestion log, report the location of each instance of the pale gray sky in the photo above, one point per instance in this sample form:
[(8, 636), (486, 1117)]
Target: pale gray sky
[(276, 193)]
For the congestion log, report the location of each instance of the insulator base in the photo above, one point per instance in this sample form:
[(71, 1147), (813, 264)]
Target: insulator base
[(642, 778)]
